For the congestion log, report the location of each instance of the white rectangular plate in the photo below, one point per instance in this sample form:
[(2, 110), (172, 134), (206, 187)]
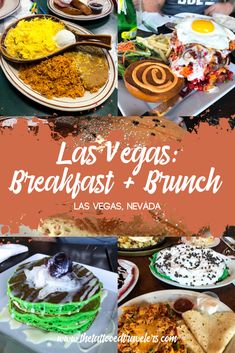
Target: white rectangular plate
[(192, 105), (15, 340)]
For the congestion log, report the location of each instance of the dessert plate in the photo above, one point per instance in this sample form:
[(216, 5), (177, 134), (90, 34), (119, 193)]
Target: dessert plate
[(134, 280), (229, 280), (27, 339), (107, 10)]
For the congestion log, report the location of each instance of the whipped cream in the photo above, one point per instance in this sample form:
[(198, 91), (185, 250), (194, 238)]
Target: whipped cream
[(190, 265), (40, 278)]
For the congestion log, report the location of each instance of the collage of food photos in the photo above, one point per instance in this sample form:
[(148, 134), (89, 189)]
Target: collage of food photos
[(148, 70)]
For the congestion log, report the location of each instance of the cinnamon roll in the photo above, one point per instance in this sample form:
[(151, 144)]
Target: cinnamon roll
[(152, 81)]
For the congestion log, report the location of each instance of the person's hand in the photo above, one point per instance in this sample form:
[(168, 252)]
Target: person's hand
[(136, 3), (225, 8)]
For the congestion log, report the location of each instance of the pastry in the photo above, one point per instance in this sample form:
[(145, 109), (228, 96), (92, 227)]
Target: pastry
[(152, 81)]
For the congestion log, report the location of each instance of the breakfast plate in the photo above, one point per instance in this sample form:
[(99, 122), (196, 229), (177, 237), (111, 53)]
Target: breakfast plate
[(190, 14), (192, 105), (183, 82), (107, 10), (152, 314), (34, 340), (86, 102), (190, 267), (125, 288), (169, 295), (8, 8)]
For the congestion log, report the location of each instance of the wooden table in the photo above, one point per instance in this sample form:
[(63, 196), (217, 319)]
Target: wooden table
[(148, 283)]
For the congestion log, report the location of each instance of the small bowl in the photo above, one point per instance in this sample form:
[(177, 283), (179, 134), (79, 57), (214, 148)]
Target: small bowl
[(184, 304), (96, 7)]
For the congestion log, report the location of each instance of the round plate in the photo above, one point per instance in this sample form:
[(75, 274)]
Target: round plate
[(215, 242), (224, 20), (107, 10), (189, 14), (88, 101), (135, 278), (8, 8), (167, 296), (230, 264)]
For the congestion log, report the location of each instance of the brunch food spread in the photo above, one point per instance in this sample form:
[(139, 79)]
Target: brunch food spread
[(69, 74), (54, 294), (199, 322), (194, 57)]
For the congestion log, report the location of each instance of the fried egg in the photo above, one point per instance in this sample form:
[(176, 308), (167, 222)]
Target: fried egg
[(204, 32)]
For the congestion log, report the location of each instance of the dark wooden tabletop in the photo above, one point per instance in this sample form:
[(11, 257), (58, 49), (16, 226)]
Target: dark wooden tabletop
[(148, 283), (103, 256)]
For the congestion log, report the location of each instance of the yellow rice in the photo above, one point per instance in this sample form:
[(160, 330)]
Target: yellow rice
[(32, 39)]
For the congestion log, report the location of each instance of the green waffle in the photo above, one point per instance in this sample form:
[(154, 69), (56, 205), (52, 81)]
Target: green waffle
[(60, 312)]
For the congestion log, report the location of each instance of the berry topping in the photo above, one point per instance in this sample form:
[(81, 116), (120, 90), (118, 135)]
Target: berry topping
[(59, 265)]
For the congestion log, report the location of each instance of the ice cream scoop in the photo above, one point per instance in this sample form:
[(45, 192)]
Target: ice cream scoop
[(64, 37)]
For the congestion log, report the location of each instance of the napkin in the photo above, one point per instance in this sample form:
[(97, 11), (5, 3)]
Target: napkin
[(152, 19), (9, 250)]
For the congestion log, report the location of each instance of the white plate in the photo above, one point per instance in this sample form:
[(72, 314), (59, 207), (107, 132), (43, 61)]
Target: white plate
[(136, 274), (190, 14), (9, 7), (224, 20), (192, 105), (88, 101), (107, 10), (229, 280), (214, 243), (169, 295), (104, 323)]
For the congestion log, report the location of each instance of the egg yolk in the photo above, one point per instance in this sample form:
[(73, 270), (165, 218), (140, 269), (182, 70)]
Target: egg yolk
[(203, 26)]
